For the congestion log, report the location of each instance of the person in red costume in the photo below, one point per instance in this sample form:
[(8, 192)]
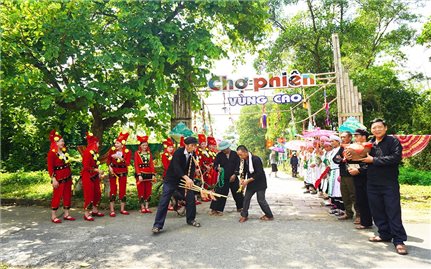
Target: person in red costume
[(118, 161), (211, 179), (91, 178), (61, 176), (168, 151), (204, 162), (144, 173)]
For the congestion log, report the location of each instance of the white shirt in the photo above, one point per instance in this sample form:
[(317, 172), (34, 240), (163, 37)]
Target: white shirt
[(188, 154)]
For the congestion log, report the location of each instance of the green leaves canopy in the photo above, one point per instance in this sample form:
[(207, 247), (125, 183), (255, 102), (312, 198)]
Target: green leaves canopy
[(75, 64)]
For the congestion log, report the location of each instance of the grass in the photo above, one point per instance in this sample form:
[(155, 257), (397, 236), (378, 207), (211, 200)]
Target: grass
[(37, 186), (416, 197)]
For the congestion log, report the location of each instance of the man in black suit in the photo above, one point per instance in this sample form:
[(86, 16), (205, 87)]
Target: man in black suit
[(253, 177), (181, 166)]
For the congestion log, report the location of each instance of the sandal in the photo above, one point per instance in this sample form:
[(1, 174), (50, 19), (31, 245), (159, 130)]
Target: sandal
[(266, 218), (97, 214), (56, 220), (401, 249), (194, 223), (112, 214), (69, 217), (243, 219), (361, 227), (377, 239), (156, 230), (89, 218), (124, 212), (216, 213)]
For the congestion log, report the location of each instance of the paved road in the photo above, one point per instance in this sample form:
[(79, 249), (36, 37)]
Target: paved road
[(303, 235)]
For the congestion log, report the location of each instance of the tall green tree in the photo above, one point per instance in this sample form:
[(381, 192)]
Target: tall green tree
[(368, 30), (106, 63), (250, 132), (425, 37)]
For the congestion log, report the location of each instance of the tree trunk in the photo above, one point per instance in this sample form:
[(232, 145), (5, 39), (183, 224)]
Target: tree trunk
[(97, 128), (182, 109)]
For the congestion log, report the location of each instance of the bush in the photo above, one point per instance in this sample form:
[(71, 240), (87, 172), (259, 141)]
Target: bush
[(421, 161), (412, 176)]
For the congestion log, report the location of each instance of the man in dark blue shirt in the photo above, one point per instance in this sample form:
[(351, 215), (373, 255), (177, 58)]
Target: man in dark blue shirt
[(383, 187)]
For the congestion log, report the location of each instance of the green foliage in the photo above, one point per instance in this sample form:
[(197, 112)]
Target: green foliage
[(425, 36), (385, 95), (421, 121), (79, 65), (250, 133), (422, 161), (26, 185), (412, 176), (37, 185), (368, 29)]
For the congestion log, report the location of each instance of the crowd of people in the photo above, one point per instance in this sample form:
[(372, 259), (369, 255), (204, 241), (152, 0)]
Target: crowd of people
[(366, 188), (211, 167)]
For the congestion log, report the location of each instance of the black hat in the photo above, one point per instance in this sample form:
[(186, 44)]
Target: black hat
[(362, 132), (190, 140)]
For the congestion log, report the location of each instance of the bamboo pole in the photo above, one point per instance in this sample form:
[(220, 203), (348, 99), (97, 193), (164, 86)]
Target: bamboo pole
[(338, 75)]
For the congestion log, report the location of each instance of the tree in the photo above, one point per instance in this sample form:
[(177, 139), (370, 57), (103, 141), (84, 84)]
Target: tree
[(107, 63), (250, 133), (118, 60), (368, 30), (425, 36)]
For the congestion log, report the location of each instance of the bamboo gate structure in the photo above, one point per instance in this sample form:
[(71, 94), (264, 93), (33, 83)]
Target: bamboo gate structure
[(348, 98)]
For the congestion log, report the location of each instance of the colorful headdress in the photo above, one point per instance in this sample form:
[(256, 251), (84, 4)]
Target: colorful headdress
[(211, 141), (201, 138), (92, 141), (122, 137), (142, 139), (54, 137), (168, 143)]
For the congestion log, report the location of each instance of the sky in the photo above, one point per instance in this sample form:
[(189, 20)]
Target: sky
[(418, 60)]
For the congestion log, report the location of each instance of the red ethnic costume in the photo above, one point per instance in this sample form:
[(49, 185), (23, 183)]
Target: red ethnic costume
[(59, 171), (144, 172), (204, 160), (212, 152), (91, 178), (166, 155), (118, 160)]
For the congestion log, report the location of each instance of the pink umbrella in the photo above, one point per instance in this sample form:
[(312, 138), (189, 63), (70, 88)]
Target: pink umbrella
[(277, 149), (317, 132), (295, 144)]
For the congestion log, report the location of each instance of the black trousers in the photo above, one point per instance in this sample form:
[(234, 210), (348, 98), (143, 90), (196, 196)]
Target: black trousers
[(168, 189), (260, 199), (362, 200), (294, 169), (385, 208), (220, 203)]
